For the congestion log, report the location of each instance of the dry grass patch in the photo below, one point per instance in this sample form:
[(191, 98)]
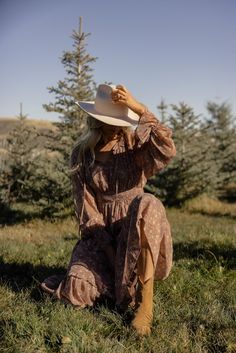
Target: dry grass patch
[(212, 206), (39, 231)]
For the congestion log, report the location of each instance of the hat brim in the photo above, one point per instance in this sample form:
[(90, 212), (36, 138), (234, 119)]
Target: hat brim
[(89, 108)]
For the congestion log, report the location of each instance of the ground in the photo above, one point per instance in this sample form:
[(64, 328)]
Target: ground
[(194, 308)]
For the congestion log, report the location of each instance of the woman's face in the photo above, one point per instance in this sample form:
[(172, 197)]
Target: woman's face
[(109, 131)]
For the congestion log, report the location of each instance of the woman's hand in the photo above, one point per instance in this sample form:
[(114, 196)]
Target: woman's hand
[(121, 95)]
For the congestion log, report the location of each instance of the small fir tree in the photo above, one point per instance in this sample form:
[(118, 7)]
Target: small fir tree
[(77, 85), (22, 149), (162, 107), (221, 131), (189, 174)]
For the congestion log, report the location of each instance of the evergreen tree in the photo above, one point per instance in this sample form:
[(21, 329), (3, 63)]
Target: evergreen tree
[(46, 185), (22, 149), (222, 133), (162, 107), (189, 173), (77, 85)]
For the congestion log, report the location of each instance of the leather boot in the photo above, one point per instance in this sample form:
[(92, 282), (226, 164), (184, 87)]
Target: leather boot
[(144, 295)]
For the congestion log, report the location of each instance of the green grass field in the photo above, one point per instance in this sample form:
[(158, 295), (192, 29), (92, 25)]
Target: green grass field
[(194, 309)]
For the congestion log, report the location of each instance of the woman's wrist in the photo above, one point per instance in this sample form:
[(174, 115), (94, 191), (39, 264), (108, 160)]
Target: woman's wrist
[(139, 109)]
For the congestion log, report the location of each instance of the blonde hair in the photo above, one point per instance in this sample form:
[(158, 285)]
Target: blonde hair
[(88, 140)]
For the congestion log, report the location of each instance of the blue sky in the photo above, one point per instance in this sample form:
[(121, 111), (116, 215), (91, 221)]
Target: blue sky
[(181, 50)]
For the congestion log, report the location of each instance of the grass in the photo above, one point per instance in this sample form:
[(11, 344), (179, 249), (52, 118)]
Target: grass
[(194, 309)]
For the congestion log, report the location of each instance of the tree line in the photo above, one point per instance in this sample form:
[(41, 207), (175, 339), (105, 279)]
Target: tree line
[(205, 161)]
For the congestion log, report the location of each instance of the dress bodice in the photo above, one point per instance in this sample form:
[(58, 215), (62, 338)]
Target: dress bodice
[(117, 175)]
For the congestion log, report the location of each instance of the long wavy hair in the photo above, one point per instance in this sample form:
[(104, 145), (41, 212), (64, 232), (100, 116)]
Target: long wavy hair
[(88, 140)]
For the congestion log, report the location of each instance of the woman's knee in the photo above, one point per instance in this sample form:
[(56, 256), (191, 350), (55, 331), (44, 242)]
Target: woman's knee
[(151, 214), (151, 202)]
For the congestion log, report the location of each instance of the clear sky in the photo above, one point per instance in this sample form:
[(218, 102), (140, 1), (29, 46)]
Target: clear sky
[(181, 50)]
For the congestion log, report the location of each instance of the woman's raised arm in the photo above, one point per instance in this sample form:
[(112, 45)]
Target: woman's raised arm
[(153, 143)]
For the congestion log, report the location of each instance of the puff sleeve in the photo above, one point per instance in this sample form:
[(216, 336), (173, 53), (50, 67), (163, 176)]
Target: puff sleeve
[(153, 144)]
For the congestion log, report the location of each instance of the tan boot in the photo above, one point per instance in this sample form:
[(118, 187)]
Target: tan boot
[(144, 311)]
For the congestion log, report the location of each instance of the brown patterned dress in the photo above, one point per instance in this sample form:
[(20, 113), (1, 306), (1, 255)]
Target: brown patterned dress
[(113, 210)]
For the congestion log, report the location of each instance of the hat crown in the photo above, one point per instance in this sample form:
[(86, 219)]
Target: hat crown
[(104, 104)]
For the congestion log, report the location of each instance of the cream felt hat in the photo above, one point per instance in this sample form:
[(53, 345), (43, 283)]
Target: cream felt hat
[(108, 112)]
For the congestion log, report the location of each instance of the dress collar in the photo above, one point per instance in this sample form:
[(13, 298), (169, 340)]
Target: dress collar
[(119, 147)]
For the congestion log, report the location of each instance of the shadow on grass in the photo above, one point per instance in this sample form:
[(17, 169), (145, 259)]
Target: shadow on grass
[(125, 314), (11, 217), (223, 255), (18, 277)]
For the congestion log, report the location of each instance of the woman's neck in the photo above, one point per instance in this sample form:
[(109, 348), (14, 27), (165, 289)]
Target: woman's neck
[(106, 139)]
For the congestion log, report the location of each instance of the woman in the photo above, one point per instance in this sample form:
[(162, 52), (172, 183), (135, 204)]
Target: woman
[(126, 239)]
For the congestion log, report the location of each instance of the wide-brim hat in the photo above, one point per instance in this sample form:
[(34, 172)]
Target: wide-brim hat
[(105, 110)]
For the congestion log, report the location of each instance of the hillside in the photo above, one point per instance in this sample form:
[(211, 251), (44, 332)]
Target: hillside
[(8, 123)]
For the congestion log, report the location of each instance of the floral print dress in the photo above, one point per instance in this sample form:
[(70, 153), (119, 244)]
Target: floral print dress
[(112, 209)]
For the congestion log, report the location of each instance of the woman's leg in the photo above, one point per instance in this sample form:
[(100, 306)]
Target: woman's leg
[(145, 230), (145, 270)]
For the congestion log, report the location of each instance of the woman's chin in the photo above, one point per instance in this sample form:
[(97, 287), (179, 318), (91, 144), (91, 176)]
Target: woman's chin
[(110, 133)]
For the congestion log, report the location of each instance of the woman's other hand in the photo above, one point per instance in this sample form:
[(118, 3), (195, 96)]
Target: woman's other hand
[(121, 95)]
